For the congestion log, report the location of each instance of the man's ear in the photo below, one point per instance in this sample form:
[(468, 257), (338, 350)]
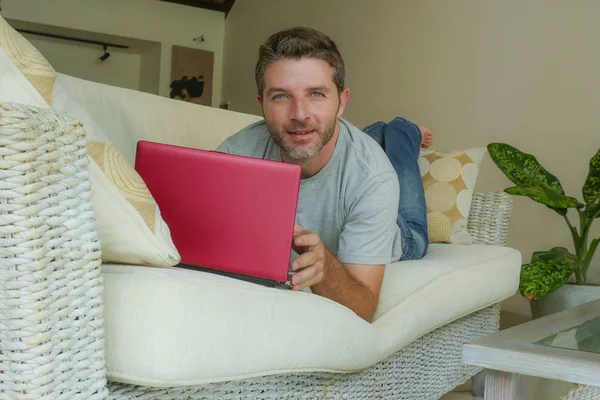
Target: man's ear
[(260, 99), (344, 97)]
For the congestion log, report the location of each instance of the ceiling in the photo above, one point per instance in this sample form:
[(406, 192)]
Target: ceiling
[(217, 5)]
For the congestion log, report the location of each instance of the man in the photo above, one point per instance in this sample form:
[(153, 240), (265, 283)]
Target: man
[(346, 224)]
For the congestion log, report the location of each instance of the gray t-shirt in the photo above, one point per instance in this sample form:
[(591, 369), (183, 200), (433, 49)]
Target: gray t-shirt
[(352, 203)]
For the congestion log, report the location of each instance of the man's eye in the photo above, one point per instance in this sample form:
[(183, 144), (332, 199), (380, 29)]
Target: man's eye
[(318, 94), (278, 96)]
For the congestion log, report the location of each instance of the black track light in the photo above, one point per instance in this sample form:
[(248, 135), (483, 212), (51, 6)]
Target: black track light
[(105, 55)]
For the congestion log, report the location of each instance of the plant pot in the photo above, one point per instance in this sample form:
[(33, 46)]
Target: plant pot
[(567, 296)]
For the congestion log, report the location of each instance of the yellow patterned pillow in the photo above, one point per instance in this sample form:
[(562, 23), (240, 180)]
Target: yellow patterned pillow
[(130, 226), (123, 176), (28, 59), (449, 180)]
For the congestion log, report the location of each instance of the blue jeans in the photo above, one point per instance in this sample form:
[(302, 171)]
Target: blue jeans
[(401, 141)]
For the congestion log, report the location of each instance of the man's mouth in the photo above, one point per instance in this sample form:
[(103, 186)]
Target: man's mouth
[(306, 132)]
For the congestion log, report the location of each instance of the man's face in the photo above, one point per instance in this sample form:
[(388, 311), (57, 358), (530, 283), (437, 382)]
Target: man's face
[(301, 105)]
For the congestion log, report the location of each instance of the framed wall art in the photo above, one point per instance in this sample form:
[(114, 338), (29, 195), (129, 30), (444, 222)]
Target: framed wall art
[(192, 75)]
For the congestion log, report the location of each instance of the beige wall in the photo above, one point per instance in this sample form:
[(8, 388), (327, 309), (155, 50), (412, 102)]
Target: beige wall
[(81, 60), (150, 60), (149, 20), (475, 71)]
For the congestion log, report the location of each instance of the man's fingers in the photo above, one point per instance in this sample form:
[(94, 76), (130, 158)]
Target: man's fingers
[(308, 273), (304, 260), (307, 239), (306, 278), (299, 242), (299, 249), (298, 230)]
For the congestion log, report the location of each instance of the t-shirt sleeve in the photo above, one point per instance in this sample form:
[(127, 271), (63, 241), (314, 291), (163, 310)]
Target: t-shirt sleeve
[(251, 141), (225, 147), (370, 234)]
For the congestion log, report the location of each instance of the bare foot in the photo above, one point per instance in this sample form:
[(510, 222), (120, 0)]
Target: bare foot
[(427, 137)]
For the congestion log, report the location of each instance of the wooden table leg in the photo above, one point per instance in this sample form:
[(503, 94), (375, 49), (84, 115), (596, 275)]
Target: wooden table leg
[(504, 386)]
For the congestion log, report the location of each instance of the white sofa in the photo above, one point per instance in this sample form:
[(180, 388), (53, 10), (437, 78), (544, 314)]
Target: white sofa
[(171, 333)]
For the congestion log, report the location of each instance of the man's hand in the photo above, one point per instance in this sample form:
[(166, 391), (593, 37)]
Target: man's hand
[(354, 286), (313, 256)]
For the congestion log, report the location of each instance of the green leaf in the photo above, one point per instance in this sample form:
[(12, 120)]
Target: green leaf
[(590, 254), (547, 271), (535, 194), (531, 178), (591, 188)]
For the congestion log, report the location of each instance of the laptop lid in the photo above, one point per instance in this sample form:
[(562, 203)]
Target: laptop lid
[(225, 212)]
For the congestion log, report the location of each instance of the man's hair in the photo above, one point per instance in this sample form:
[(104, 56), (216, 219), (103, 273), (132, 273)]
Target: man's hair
[(297, 43)]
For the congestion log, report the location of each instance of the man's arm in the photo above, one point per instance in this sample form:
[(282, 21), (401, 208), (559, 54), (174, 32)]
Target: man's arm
[(369, 240), (354, 286)]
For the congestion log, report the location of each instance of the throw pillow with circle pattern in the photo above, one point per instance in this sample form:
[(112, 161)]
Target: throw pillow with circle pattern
[(449, 179)]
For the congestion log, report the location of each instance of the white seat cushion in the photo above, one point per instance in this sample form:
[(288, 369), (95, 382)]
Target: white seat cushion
[(170, 327)]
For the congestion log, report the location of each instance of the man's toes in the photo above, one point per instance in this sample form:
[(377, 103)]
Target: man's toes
[(427, 140), (426, 136)]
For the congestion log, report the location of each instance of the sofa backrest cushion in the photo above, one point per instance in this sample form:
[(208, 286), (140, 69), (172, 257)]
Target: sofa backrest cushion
[(128, 116)]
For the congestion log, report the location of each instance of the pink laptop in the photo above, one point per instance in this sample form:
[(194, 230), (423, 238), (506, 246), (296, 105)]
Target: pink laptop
[(227, 213)]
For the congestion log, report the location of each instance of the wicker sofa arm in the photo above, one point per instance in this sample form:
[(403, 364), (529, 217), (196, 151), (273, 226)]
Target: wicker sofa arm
[(583, 392), (51, 311), (489, 218)]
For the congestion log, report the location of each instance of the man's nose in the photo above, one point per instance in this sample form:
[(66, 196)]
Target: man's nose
[(300, 110)]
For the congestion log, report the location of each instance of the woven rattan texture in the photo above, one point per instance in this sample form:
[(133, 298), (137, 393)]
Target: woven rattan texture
[(51, 313)]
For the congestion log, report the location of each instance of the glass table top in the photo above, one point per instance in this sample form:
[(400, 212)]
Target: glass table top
[(584, 337)]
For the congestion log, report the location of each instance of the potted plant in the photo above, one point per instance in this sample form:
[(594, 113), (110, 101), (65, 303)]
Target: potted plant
[(545, 279)]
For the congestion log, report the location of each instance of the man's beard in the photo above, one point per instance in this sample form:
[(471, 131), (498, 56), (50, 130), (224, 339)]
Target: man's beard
[(324, 135)]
